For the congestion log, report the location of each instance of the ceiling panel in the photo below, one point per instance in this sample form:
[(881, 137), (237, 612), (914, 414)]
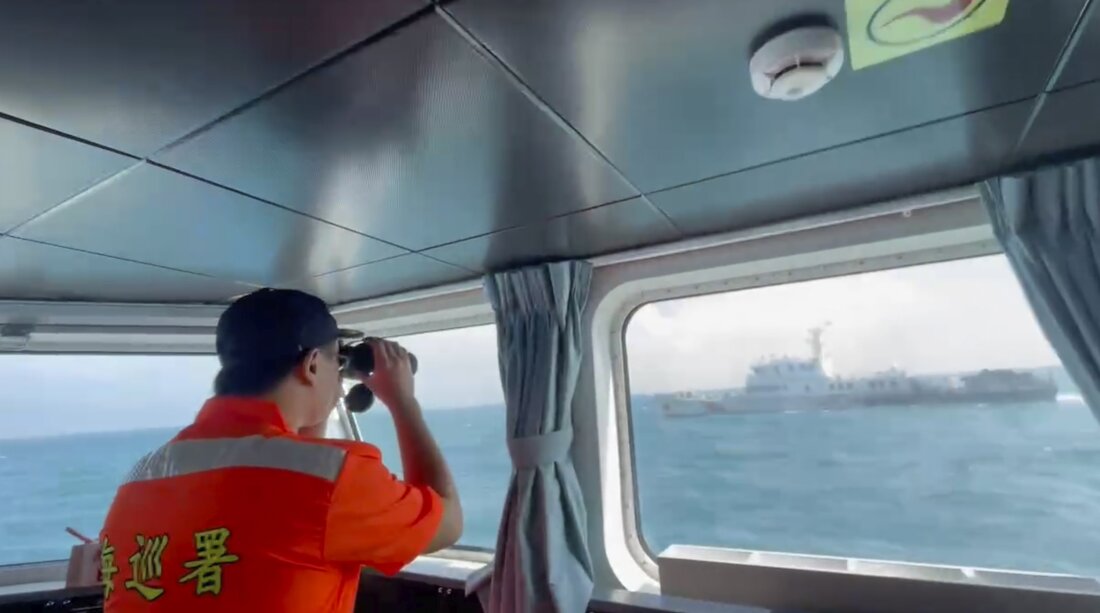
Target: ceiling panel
[(32, 271), (157, 216), (1083, 64), (1069, 120), (613, 227), (39, 170), (391, 276), (135, 74), (415, 139), (919, 160), (662, 88)]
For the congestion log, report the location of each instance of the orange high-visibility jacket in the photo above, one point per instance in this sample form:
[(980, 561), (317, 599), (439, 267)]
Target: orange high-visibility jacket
[(238, 513)]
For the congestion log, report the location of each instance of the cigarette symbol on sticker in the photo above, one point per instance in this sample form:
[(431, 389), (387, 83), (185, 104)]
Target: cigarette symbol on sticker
[(904, 22)]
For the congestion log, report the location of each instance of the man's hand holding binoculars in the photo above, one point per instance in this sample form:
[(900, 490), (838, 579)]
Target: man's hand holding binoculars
[(382, 368), (392, 379)]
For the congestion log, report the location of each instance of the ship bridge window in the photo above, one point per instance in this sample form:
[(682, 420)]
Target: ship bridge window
[(458, 384), (73, 427), (976, 467)]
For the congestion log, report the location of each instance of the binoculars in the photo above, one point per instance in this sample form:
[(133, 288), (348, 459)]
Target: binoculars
[(359, 364)]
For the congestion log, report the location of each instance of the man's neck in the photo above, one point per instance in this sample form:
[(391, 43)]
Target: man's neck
[(286, 405)]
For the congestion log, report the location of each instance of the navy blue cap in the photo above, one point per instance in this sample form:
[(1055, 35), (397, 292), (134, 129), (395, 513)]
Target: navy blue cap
[(271, 326)]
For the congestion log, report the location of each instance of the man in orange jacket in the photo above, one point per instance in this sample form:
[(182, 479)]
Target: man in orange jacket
[(249, 508)]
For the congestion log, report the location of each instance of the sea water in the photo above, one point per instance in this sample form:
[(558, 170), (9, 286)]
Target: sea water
[(1010, 486)]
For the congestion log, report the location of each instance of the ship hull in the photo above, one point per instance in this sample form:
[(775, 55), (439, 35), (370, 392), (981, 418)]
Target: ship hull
[(755, 403)]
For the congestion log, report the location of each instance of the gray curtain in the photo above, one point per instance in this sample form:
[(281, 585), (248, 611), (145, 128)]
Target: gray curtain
[(542, 561), (1048, 222)]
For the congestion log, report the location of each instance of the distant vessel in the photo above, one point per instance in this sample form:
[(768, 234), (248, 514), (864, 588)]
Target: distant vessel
[(794, 384)]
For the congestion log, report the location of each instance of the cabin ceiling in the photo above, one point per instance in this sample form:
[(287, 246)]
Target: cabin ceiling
[(187, 151)]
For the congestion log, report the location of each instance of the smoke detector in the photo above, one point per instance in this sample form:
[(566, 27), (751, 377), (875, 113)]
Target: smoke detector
[(797, 63)]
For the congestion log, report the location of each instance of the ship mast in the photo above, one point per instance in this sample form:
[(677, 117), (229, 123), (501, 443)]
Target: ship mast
[(816, 349)]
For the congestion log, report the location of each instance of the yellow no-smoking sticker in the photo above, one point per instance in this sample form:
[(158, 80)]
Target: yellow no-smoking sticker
[(881, 30)]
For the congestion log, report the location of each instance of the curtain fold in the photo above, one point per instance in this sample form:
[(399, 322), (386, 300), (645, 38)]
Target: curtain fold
[(542, 561), (1048, 222)]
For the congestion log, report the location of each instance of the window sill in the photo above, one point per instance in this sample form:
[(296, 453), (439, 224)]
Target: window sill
[(33, 572), (27, 588), (622, 601), (445, 569), (796, 581)]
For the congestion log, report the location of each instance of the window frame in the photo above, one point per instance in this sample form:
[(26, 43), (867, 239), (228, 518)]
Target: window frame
[(637, 519), (939, 227), (74, 328)]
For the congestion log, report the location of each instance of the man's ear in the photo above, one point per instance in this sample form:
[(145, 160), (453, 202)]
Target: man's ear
[(309, 367)]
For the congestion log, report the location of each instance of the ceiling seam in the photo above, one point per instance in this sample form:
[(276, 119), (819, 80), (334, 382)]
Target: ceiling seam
[(1059, 67), (276, 205), (336, 57), (1078, 30), (66, 136), (1085, 83), (139, 160), (532, 96), (473, 274), (118, 175), (194, 272), (80, 191), (383, 261), (205, 275), (74, 196), (664, 214), (839, 146), (353, 267), (522, 226), (451, 264), (132, 261), (321, 64)]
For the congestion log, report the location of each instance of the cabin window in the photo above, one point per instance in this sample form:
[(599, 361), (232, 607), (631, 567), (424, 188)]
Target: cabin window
[(73, 427), (982, 454), (458, 384)]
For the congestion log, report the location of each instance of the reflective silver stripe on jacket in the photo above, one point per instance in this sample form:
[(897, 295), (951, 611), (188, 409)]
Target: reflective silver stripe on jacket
[(193, 456)]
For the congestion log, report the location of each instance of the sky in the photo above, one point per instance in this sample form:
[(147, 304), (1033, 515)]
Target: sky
[(954, 316), (47, 395)]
